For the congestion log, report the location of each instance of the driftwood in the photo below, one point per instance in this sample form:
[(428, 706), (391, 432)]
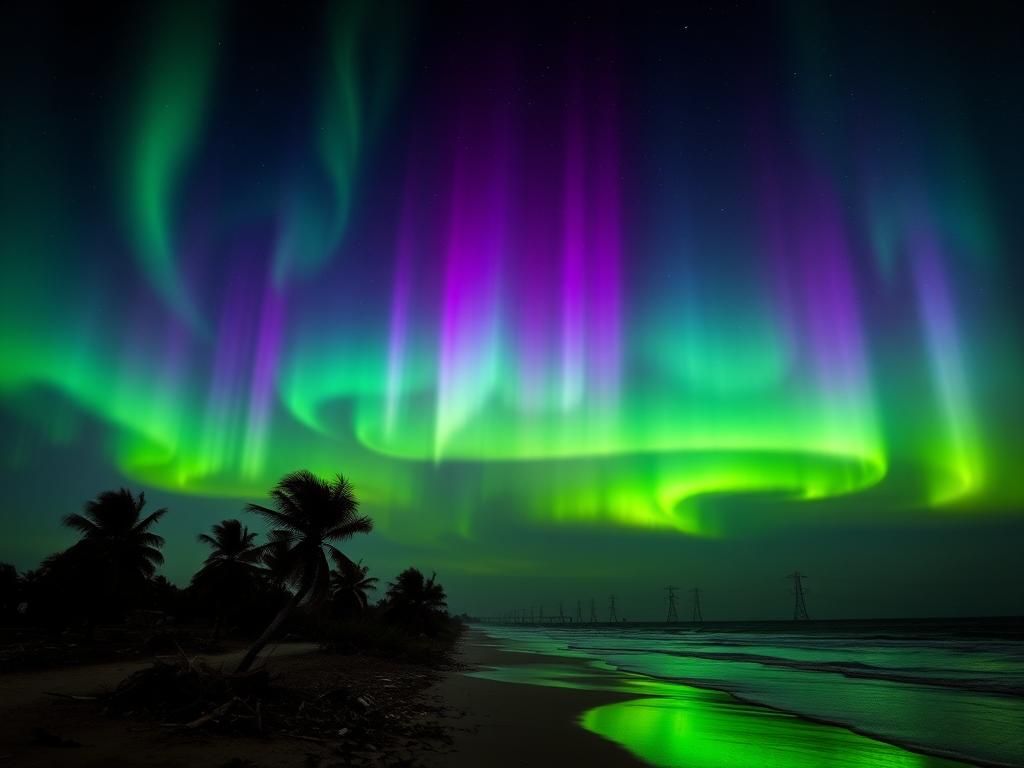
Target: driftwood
[(186, 693), (187, 696), (305, 738), (214, 714), (70, 696)]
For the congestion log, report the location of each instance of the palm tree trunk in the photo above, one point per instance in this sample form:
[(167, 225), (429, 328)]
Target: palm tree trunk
[(275, 625)]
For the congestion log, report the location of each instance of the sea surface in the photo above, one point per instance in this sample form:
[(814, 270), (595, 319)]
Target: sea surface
[(864, 694)]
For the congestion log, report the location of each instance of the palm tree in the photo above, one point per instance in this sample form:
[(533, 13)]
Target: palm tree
[(416, 600), (112, 529), (349, 585), (117, 552), (232, 568), (275, 560), (10, 588), (308, 514)]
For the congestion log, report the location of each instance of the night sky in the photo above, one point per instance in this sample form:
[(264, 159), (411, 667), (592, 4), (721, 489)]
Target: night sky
[(587, 300)]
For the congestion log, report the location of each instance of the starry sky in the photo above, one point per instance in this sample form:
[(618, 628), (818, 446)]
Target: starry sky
[(584, 300)]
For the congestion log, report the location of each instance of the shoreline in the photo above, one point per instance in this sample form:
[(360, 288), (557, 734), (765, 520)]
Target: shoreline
[(493, 723), (500, 706), (597, 692)]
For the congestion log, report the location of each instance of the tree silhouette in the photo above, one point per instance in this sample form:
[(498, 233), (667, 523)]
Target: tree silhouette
[(415, 600), (276, 560), (349, 585), (10, 588), (117, 553), (232, 569), (308, 514)]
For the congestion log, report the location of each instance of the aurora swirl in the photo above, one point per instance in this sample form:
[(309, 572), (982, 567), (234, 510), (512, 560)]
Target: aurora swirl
[(575, 285)]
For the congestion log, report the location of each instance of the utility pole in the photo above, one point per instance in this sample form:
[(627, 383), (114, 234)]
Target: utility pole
[(799, 606), (698, 617), (673, 614), (593, 612), (613, 617)]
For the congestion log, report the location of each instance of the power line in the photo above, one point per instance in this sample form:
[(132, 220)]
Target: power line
[(698, 617), (799, 605), (673, 614)]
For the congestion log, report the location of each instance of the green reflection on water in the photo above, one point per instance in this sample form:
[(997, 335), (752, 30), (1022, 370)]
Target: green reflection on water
[(678, 726)]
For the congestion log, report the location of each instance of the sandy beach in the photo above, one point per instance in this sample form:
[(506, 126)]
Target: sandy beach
[(476, 721), (498, 724), (497, 707), (27, 705)]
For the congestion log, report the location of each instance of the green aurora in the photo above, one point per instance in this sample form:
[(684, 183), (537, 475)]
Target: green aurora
[(578, 312)]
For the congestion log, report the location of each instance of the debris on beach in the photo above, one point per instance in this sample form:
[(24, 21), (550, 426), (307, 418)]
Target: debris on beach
[(345, 711)]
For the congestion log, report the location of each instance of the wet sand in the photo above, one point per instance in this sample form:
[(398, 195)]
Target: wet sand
[(552, 708), (498, 724), (505, 708)]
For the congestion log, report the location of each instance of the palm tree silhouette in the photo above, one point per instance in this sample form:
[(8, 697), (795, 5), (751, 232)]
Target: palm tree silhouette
[(117, 552), (10, 587), (416, 600), (231, 570), (349, 585), (274, 555), (111, 529), (308, 515)]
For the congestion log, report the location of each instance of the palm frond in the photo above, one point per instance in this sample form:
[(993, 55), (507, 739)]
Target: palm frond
[(150, 540), (341, 560), (80, 523), (149, 521), (272, 516), (152, 555), (349, 528)]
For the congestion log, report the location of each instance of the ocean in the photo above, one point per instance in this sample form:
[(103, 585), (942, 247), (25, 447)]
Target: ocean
[(883, 694)]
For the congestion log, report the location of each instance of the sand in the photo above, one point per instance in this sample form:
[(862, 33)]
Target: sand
[(519, 725), (480, 722), (112, 743)]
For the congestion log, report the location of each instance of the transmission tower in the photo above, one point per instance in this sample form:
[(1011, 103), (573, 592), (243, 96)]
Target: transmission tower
[(561, 613), (698, 617), (613, 617), (579, 611), (593, 612), (799, 606), (673, 614), (540, 615)]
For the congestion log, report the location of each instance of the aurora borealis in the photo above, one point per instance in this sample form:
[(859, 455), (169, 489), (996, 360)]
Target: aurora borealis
[(694, 275)]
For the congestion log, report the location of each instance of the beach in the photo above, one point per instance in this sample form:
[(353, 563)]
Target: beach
[(507, 702), (497, 724), (863, 695), (472, 721)]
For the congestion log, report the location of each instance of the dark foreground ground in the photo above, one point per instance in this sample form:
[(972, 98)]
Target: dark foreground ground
[(410, 715)]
